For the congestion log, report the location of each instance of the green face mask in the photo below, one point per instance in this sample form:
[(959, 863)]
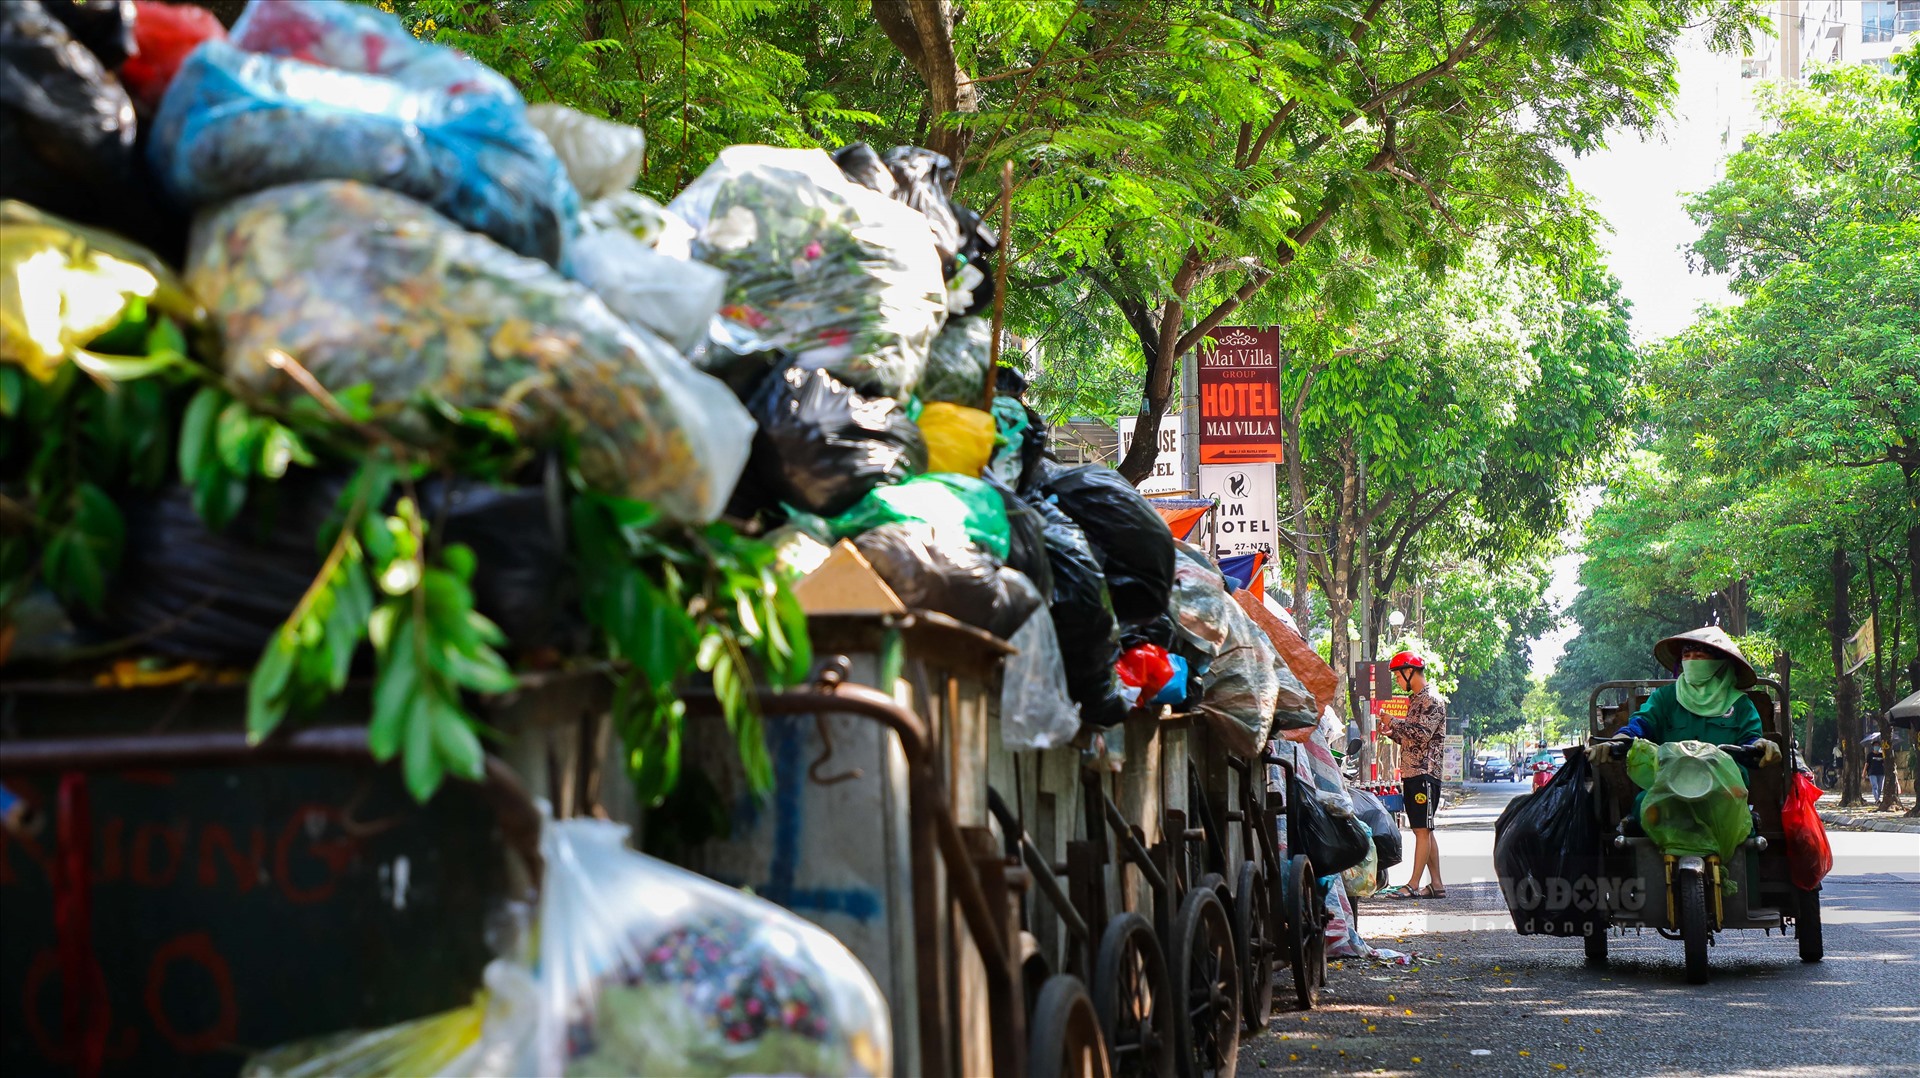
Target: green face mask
[(1701, 671), (1706, 686)]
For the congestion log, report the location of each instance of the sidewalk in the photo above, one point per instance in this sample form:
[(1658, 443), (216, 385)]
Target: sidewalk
[(1865, 819)]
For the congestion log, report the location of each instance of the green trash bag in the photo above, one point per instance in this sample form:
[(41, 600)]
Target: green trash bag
[(951, 503), (1696, 798)]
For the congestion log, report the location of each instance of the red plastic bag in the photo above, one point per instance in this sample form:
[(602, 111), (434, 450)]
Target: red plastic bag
[(1809, 857), (1145, 667), (165, 33)]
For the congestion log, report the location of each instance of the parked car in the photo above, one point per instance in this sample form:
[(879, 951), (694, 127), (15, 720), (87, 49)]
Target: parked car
[(1496, 770)]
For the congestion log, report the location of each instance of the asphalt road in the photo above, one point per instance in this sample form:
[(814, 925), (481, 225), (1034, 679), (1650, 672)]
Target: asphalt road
[(1484, 1000)]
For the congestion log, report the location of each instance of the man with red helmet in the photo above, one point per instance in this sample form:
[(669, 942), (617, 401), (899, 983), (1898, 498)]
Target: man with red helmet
[(1422, 738)]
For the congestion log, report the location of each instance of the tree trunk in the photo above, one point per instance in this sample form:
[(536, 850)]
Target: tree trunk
[(1296, 494), (1736, 596), (923, 32), (1885, 688), (1846, 695)]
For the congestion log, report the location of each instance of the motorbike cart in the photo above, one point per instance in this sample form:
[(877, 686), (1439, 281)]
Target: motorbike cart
[(1688, 896)]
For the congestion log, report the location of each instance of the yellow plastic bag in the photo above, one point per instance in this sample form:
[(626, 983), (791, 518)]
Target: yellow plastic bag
[(959, 439), (62, 285)]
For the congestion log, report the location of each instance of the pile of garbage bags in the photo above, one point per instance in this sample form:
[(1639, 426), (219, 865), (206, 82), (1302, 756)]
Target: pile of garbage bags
[(324, 215)]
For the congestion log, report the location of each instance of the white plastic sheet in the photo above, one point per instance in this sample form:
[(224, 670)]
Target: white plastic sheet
[(1035, 711)]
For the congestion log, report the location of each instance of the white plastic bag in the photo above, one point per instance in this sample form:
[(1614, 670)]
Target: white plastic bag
[(820, 269), (643, 219), (365, 286), (673, 298), (1343, 939), (494, 1034), (601, 157), (1035, 712), (648, 969), (1363, 879)]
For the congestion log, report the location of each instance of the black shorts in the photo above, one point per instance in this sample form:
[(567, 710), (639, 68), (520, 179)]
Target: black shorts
[(1422, 796)]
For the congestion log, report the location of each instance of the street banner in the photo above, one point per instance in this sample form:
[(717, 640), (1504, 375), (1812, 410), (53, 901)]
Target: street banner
[(1248, 519), (1239, 382), (1166, 477), (1859, 647), (1453, 763), (1181, 514)]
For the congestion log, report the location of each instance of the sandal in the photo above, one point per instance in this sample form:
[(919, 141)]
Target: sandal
[(1429, 892)]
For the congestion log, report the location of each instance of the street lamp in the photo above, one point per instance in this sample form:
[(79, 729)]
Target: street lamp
[(1396, 619)]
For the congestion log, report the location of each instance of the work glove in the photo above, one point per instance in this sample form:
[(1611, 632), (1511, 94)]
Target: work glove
[(1766, 753), (1611, 749)]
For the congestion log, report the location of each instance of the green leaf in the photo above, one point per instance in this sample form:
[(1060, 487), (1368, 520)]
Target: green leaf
[(218, 495), (662, 637), (395, 690), (13, 388), (236, 437), (196, 433), (419, 762), (488, 674), (458, 558), (653, 751), (279, 448), (456, 742), (163, 335), (266, 690), (120, 368)]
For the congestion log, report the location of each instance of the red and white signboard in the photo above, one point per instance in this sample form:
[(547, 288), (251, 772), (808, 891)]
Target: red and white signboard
[(1240, 396)]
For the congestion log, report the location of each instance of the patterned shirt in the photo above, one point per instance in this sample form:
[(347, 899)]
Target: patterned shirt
[(1422, 735)]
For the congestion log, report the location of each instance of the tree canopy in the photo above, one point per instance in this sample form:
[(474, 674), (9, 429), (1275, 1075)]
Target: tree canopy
[(1782, 491)]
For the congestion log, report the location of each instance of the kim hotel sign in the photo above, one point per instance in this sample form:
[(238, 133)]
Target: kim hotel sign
[(1240, 396)]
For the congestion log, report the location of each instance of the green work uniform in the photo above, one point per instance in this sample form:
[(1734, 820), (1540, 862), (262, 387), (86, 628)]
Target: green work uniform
[(1661, 719)]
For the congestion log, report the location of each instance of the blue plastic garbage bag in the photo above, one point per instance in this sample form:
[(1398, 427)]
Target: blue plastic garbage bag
[(1176, 688), (408, 116)]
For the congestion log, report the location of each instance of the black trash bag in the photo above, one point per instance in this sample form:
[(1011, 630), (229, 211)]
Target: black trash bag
[(924, 178), (1083, 620), (1386, 830), (67, 128), (1026, 536), (105, 27), (861, 163), (218, 597), (1135, 546), (1332, 842), (822, 446), (1159, 632), (956, 579), (1546, 849)]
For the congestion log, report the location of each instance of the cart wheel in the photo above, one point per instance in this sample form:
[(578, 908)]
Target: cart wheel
[(1317, 943), (1806, 927), (1253, 942), (1596, 944), (1132, 996), (1207, 981), (1215, 882), (1296, 891), (1064, 1041), (1692, 906), (1034, 967)]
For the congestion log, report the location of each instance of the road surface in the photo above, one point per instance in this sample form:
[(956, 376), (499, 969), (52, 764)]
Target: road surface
[(1484, 1000)]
